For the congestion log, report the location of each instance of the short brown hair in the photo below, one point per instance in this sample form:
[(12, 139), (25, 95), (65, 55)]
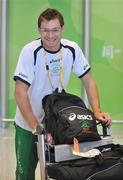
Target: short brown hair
[(50, 14)]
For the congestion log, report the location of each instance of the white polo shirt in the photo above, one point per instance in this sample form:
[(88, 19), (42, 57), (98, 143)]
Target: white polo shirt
[(31, 69)]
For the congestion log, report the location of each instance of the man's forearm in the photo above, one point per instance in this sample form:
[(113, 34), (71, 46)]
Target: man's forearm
[(26, 110), (93, 97), (22, 99), (92, 92)]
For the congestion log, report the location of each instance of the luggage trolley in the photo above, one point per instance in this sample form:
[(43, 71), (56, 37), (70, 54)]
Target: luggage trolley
[(64, 152)]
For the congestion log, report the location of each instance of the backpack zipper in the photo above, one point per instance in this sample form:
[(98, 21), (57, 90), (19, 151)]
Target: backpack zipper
[(71, 107)]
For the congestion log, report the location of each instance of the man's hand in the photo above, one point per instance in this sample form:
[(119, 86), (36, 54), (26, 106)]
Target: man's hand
[(49, 138), (104, 117)]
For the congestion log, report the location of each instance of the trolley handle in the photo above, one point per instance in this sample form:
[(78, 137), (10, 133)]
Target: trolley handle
[(105, 129), (40, 129)]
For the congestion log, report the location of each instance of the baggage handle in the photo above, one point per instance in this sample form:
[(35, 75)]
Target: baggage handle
[(105, 129), (41, 151)]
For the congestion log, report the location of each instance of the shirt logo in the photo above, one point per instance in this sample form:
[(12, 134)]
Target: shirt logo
[(54, 60), (55, 67), (23, 75), (85, 67)]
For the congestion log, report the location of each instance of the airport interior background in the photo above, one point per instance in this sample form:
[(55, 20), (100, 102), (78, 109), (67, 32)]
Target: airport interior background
[(96, 25)]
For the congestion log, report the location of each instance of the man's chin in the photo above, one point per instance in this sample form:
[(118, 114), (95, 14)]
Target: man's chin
[(51, 46)]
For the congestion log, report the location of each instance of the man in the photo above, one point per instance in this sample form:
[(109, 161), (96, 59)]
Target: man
[(43, 65)]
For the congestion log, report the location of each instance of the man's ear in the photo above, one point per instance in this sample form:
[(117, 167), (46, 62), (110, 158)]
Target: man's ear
[(39, 30), (62, 28)]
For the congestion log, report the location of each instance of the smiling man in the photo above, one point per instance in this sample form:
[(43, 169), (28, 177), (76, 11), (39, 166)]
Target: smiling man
[(44, 65), (51, 32)]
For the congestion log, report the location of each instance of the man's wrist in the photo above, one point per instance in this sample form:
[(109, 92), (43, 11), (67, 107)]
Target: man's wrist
[(38, 130), (96, 110), (34, 131)]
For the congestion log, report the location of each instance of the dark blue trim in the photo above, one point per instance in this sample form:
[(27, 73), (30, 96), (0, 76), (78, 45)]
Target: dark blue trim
[(61, 45), (22, 80), (84, 73), (71, 49), (35, 53)]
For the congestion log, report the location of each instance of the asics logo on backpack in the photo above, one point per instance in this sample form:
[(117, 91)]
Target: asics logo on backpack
[(73, 116)]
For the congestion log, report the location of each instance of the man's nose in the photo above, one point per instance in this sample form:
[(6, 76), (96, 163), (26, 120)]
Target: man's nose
[(50, 34)]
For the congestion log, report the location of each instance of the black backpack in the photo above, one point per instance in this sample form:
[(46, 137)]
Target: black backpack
[(66, 117)]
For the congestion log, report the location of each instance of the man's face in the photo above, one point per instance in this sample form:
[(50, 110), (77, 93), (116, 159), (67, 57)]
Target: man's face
[(51, 32)]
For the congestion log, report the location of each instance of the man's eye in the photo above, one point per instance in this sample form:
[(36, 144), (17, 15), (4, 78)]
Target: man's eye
[(45, 30), (55, 30)]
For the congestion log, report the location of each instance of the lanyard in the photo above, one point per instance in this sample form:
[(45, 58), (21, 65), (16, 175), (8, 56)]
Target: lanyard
[(60, 71)]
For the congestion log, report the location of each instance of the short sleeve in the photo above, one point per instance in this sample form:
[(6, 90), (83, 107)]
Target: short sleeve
[(25, 67), (80, 65)]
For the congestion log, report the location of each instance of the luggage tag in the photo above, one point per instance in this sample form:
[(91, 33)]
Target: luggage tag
[(88, 154)]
